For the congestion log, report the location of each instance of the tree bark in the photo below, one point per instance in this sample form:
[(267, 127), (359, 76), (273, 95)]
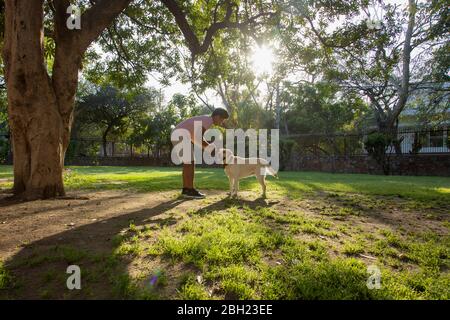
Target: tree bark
[(406, 61), (40, 107), (278, 108), (36, 125), (105, 142), (105, 147)]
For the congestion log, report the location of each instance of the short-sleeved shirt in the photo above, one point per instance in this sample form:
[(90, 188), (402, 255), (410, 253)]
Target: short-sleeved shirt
[(188, 124)]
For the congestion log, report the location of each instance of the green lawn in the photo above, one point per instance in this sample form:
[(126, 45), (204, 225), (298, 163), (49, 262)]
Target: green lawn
[(314, 238), (145, 179)]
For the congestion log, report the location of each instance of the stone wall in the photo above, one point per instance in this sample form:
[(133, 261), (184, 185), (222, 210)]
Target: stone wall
[(119, 161), (417, 165), (125, 162)]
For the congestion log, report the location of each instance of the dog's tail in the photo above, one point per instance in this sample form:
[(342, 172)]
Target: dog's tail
[(268, 170)]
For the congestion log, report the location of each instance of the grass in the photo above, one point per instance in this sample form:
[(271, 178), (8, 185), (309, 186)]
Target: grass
[(316, 242), (233, 251), (145, 179), (5, 278)]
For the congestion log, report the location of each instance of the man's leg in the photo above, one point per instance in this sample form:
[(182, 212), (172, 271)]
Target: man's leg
[(188, 176), (188, 180)]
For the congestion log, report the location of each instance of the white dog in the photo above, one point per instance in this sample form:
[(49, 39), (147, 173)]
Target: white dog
[(237, 168)]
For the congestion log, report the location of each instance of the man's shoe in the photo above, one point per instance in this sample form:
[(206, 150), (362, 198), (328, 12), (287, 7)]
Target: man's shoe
[(192, 194), (198, 194)]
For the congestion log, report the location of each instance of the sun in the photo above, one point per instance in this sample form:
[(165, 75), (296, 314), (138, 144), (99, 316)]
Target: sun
[(262, 60)]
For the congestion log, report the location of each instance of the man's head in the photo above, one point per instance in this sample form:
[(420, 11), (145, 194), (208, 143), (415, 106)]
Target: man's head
[(219, 115)]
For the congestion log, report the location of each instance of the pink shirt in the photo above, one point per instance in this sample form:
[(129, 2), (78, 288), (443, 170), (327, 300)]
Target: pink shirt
[(188, 124)]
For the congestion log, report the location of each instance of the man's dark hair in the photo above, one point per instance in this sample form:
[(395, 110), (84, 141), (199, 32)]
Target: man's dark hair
[(221, 112)]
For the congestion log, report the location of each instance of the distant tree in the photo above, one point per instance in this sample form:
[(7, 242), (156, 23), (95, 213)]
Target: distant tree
[(113, 111), (382, 58), (185, 106), (153, 131), (3, 112), (321, 109), (4, 128)]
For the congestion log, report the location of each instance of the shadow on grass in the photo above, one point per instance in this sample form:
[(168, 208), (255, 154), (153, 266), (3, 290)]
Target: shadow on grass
[(228, 202), (90, 246), (9, 201)]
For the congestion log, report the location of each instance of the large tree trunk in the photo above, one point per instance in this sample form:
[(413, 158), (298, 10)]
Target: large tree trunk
[(35, 122), (40, 107), (390, 129), (387, 119), (40, 110)]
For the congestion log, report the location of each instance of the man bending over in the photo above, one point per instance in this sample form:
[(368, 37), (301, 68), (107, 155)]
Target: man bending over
[(217, 118)]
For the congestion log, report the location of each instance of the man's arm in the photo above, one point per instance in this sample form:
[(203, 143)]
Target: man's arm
[(204, 142)]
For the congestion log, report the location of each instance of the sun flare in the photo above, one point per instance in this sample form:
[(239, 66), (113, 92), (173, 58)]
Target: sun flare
[(262, 60)]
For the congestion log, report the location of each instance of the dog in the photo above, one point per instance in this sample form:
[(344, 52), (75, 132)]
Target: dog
[(237, 168)]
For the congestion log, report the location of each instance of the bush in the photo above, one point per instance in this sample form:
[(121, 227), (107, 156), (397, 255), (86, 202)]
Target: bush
[(376, 145)]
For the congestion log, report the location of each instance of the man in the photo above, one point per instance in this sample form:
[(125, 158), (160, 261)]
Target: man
[(217, 118)]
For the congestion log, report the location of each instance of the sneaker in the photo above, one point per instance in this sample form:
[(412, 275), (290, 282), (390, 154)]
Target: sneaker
[(192, 194)]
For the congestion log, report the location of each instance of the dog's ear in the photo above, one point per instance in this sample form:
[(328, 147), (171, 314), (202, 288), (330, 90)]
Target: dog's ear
[(228, 157)]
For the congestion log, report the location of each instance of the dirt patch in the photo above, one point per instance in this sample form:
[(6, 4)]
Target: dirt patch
[(23, 223)]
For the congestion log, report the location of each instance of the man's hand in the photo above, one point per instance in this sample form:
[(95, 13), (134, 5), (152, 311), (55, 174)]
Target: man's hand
[(225, 126), (204, 144)]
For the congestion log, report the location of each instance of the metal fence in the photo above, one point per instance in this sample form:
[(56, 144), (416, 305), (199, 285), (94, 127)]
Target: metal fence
[(406, 141), (86, 148), (409, 141), (96, 148), (425, 140)]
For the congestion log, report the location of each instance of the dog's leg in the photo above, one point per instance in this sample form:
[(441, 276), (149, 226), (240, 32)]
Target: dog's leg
[(235, 187), (262, 182), (231, 180)]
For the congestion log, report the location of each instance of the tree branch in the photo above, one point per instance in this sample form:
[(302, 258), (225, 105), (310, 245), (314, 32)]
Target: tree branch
[(404, 89), (96, 19), (193, 42)]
